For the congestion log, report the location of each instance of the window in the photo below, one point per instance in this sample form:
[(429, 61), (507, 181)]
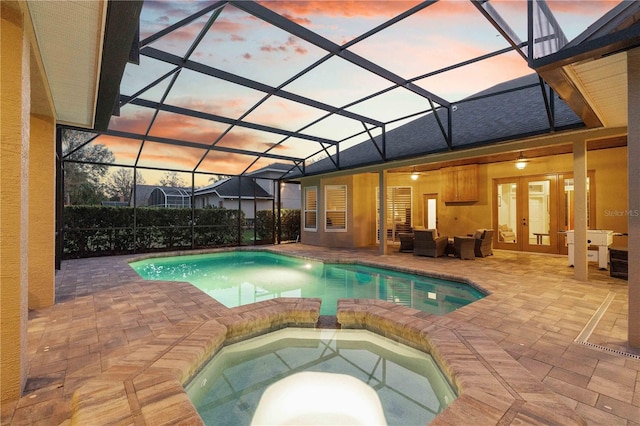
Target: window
[(335, 201), (311, 208), (398, 211)]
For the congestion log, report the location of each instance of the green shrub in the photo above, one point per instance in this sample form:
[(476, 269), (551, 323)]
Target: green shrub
[(99, 231), (289, 224)]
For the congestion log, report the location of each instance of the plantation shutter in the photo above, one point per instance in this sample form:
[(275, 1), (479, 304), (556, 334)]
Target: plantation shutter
[(399, 210), (336, 207), (311, 208), (399, 207)]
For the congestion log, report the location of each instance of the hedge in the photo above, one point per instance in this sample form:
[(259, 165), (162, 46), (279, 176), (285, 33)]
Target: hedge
[(99, 231), (290, 224)]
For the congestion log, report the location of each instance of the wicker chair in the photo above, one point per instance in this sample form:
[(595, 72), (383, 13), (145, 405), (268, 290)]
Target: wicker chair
[(406, 241), (483, 242), (428, 243)]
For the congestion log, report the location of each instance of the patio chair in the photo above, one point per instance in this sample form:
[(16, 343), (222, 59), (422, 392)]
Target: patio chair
[(406, 242), (428, 243), (483, 242)]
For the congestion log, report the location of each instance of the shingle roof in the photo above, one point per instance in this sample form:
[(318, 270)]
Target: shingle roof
[(228, 188), (272, 171), (515, 109)]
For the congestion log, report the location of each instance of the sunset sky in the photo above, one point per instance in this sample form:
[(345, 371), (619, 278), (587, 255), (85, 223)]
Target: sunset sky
[(443, 34)]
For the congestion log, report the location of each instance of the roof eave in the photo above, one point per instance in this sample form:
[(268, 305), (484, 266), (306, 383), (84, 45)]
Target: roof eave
[(618, 38), (121, 31)]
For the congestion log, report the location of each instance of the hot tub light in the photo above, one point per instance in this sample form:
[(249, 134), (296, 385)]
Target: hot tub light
[(319, 398)]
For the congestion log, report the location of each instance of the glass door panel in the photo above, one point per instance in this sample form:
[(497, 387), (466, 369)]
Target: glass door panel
[(539, 218), (507, 209), (526, 213)]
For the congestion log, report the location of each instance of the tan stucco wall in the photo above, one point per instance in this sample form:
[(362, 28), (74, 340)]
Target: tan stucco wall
[(27, 191), (14, 138), (42, 192), (361, 212), (365, 209), (463, 218)]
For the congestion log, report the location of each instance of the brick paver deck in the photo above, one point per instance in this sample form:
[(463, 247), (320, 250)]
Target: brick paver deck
[(118, 343)]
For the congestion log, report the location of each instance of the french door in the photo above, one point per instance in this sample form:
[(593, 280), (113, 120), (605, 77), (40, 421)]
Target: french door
[(526, 213)]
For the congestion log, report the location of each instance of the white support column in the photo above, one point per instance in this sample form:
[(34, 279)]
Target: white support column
[(382, 184), (580, 261), (633, 159)]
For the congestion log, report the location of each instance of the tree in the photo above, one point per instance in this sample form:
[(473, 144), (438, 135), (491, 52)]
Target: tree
[(119, 184), (82, 181), (172, 179)]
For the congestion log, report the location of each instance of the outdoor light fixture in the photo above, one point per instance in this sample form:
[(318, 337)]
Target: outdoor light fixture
[(521, 163), (414, 174)]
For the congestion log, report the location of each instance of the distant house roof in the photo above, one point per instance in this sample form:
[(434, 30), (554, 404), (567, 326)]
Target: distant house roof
[(228, 188), (272, 171), (516, 109)]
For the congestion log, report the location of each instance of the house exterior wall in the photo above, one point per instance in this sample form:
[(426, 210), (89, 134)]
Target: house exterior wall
[(290, 196), (463, 218), (14, 176), (42, 212), (289, 192), (361, 218), (26, 160), (364, 209)]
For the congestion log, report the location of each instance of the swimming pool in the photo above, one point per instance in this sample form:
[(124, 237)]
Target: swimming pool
[(243, 379), (238, 278)]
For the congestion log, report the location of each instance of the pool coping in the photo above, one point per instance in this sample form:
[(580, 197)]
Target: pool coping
[(147, 386)]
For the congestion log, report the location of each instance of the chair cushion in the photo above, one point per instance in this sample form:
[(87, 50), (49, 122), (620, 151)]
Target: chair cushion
[(478, 234)]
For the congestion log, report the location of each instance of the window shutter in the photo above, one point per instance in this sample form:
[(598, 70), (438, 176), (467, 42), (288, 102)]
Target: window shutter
[(336, 207), (311, 208)]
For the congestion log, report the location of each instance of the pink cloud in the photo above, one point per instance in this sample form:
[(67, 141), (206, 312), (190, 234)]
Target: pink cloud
[(344, 8), (592, 7)]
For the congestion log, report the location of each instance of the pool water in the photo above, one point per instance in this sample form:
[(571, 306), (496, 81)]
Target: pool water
[(241, 277), (409, 385)]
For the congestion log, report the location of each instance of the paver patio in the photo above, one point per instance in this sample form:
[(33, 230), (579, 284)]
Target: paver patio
[(105, 314)]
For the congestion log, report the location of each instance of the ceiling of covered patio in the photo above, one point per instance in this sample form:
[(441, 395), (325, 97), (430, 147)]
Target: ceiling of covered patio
[(229, 87)]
